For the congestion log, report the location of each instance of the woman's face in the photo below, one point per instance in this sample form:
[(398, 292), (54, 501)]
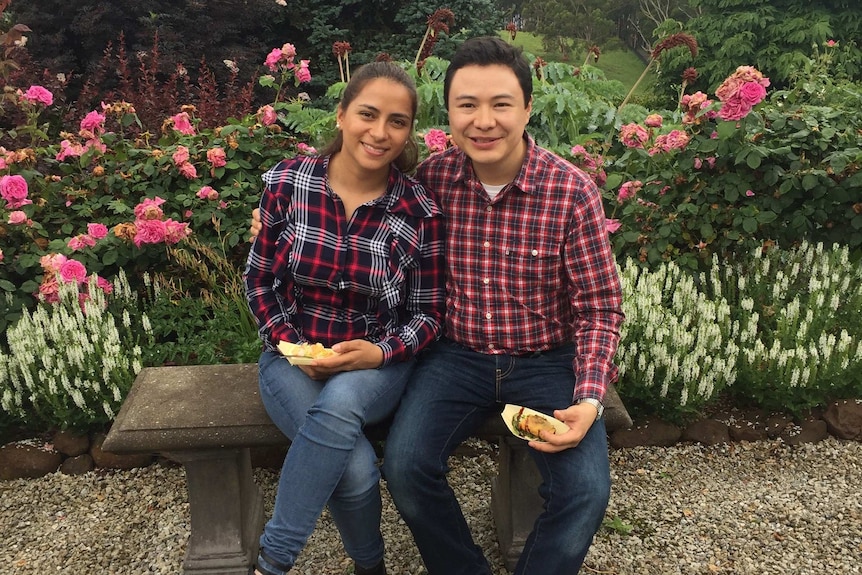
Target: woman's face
[(376, 124)]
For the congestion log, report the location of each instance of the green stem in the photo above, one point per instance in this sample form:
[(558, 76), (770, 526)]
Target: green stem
[(632, 91), (422, 45)]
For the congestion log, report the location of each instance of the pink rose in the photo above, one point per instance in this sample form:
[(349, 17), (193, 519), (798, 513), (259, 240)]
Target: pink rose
[(38, 94), (289, 50), (305, 148), (181, 156), (189, 171), (751, 93), (629, 190), (175, 231), (93, 122), (749, 193), (17, 218), (98, 231), (51, 262), (149, 209), (14, 190), (149, 232), (81, 242), (69, 150), (733, 109), (612, 225), (73, 271), (272, 59), (303, 74), (653, 121), (216, 157), (182, 124), (267, 115), (436, 140), (104, 284), (698, 163), (2, 257), (207, 193), (49, 290), (633, 135)]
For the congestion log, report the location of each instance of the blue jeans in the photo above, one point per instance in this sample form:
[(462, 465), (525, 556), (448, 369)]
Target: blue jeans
[(452, 392), (330, 461)]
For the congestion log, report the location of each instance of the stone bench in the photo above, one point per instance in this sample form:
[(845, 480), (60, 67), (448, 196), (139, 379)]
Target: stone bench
[(208, 418)]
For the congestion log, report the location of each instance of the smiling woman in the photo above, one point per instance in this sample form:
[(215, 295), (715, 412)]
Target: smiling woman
[(349, 257)]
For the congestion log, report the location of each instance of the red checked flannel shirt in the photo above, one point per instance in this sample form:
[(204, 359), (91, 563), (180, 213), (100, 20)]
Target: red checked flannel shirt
[(532, 270), (312, 276)]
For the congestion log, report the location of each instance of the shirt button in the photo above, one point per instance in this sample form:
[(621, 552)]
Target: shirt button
[(489, 209), (488, 315), (490, 346), (535, 252), (486, 244), (486, 281)]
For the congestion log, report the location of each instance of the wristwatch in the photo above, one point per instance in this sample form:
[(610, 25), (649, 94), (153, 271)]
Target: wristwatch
[(595, 403)]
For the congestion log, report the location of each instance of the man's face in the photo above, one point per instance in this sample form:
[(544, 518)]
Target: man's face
[(487, 118)]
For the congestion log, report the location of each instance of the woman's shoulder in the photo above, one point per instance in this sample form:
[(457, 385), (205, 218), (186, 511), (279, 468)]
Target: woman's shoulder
[(286, 170)]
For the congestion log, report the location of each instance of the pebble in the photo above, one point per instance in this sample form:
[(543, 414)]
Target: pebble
[(762, 508)]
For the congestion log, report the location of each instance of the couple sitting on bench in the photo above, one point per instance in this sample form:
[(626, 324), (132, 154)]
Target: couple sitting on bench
[(353, 254)]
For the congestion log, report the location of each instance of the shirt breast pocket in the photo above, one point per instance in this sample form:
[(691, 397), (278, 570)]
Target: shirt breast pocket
[(533, 268)]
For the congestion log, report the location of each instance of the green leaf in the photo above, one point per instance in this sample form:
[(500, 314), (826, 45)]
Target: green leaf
[(749, 225), (766, 217), (809, 182), (110, 257), (753, 160), (6, 285)]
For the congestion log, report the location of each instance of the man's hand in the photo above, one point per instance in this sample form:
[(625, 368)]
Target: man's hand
[(352, 355), (579, 418), (256, 226)]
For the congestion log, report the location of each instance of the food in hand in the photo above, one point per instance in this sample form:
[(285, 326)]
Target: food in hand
[(532, 425), (309, 350)]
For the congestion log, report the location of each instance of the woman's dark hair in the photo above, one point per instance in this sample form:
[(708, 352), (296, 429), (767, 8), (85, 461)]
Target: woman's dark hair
[(488, 51), (409, 157)]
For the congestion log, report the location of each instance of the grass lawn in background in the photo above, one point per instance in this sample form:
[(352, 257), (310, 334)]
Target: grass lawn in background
[(617, 63)]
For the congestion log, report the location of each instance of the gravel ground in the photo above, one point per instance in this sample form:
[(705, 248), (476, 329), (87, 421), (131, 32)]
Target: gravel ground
[(746, 508)]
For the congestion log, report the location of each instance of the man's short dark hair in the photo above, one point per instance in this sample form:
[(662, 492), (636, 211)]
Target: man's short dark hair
[(488, 51)]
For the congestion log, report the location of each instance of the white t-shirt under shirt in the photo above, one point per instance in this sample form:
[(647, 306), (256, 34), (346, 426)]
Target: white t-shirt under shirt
[(493, 190)]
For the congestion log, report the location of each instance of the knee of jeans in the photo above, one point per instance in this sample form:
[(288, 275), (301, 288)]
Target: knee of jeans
[(357, 481)]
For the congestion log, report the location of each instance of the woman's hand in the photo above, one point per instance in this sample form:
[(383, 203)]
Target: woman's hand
[(352, 355)]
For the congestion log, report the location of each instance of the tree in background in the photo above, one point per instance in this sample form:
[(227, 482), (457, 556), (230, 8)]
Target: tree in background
[(567, 23), (776, 36)]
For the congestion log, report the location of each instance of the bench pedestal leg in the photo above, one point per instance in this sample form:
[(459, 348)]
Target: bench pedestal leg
[(515, 499), (226, 509)]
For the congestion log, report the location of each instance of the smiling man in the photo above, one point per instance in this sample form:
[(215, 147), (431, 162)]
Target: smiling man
[(533, 318)]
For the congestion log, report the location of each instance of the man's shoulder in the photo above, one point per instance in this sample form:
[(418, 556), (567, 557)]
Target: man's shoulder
[(550, 166)]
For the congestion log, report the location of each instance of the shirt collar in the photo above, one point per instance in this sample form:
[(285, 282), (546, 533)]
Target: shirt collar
[(522, 181)]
